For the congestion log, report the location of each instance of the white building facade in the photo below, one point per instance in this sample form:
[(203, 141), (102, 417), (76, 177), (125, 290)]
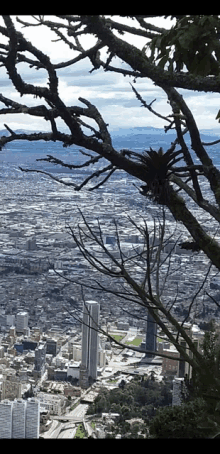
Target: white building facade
[(5, 419), (19, 418), (32, 419), (22, 321), (52, 403)]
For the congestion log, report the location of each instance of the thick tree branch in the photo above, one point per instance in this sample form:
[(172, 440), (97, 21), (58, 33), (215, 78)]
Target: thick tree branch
[(204, 204), (210, 171), (50, 94), (180, 212), (140, 62), (133, 30)]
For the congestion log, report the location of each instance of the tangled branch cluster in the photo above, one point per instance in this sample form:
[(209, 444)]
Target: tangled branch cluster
[(158, 166)]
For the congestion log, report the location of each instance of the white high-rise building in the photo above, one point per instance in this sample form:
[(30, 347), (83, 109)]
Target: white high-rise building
[(22, 321), (32, 420), (90, 326), (5, 418), (18, 418)]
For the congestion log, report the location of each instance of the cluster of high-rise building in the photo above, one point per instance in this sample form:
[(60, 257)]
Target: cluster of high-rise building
[(20, 418), (84, 365)]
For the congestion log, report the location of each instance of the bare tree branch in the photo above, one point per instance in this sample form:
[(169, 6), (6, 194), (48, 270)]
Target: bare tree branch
[(57, 161), (144, 298), (148, 106)]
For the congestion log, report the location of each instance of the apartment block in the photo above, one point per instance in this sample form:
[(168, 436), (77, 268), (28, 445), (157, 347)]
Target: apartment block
[(19, 418), (6, 419), (32, 420), (11, 387)]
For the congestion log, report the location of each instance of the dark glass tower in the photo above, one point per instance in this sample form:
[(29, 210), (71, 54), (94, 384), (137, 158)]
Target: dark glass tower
[(151, 339)]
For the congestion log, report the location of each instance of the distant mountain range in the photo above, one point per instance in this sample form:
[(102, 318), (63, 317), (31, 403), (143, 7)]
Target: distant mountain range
[(152, 130), (140, 137), (6, 133)]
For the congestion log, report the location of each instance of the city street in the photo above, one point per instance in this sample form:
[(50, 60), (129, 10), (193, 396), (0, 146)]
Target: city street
[(79, 411), (68, 433), (53, 431)]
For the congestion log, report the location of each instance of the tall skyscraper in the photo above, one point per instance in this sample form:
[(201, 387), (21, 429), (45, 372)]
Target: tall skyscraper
[(151, 339), (90, 326)]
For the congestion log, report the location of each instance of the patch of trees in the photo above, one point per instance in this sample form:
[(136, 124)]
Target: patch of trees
[(184, 421), (138, 399), (206, 326), (145, 398), (199, 414)]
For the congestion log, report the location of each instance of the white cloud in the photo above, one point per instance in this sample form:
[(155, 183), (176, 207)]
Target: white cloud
[(110, 92)]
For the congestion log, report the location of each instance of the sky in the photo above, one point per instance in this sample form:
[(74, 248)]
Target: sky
[(110, 92)]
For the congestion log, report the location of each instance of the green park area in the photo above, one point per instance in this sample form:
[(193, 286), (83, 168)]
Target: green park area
[(80, 433), (136, 342), (118, 337)]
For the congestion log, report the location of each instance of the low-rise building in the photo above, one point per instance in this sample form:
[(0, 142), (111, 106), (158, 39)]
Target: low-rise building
[(169, 366), (72, 391), (51, 346), (74, 369), (11, 387), (77, 352), (53, 403)]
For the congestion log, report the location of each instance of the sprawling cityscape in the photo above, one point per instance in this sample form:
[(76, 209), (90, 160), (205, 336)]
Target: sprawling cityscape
[(53, 360)]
